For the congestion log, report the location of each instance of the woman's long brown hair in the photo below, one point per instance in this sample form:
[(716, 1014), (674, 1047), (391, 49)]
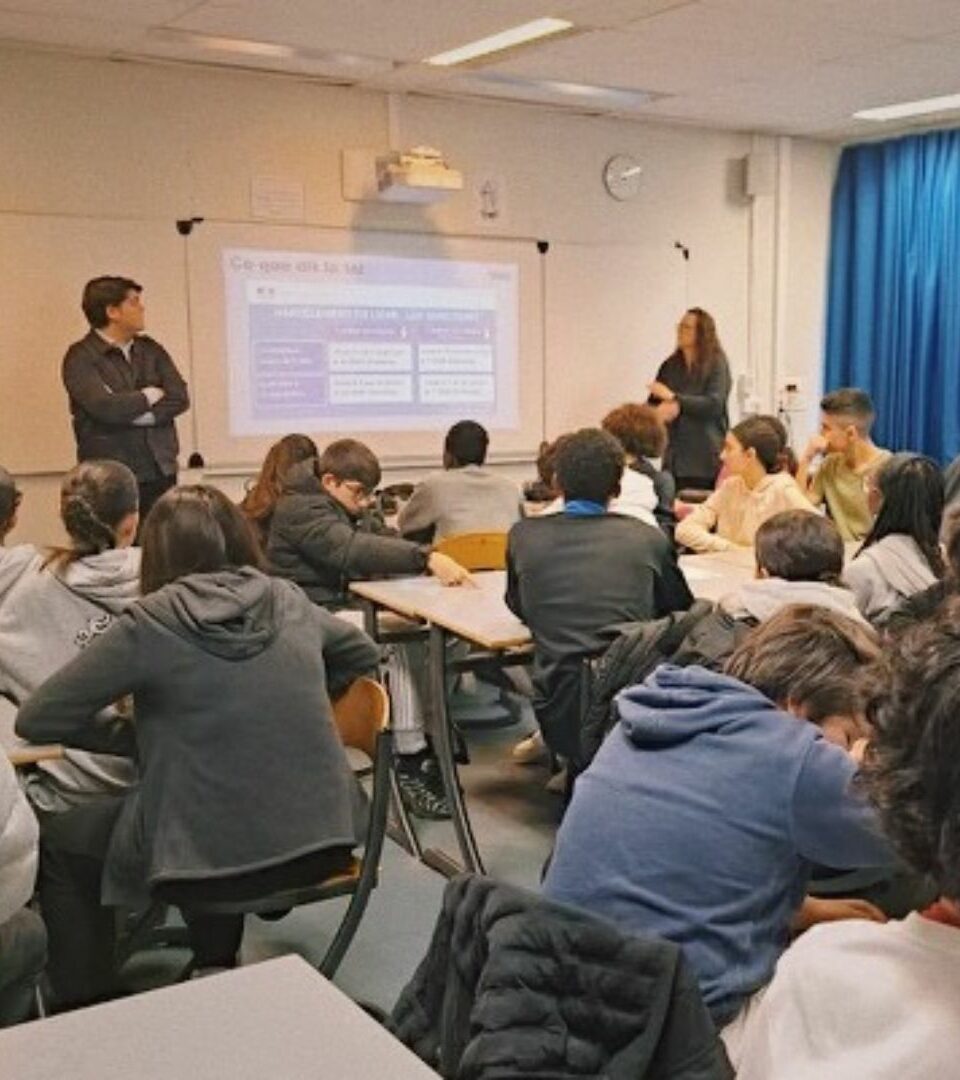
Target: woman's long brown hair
[(261, 500)]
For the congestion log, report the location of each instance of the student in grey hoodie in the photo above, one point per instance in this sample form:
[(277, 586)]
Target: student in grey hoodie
[(51, 609), (245, 787), (799, 561), (901, 554)]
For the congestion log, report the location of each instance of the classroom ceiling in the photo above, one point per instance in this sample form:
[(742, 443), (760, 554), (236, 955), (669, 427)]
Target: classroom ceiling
[(796, 67)]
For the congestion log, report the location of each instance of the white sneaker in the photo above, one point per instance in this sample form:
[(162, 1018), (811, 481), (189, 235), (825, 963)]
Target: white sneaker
[(531, 751)]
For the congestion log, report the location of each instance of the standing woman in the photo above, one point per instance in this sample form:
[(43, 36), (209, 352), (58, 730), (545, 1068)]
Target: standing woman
[(690, 393)]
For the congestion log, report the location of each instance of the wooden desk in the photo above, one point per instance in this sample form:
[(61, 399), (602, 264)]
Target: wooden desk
[(481, 617), (275, 1019), (478, 616)]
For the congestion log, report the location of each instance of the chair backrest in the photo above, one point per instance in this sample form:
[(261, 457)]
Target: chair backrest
[(361, 713), (476, 551)]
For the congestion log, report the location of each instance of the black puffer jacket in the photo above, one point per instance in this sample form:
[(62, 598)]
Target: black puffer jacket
[(517, 986), (636, 649), (316, 543)]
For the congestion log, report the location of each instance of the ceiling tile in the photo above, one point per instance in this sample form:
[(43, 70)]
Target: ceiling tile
[(139, 13), (407, 30)]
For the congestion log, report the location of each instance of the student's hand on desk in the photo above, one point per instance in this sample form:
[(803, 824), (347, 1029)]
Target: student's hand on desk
[(816, 909), (449, 571)]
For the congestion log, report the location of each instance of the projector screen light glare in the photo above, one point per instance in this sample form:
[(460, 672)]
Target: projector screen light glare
[(506, 39), (910, 108)]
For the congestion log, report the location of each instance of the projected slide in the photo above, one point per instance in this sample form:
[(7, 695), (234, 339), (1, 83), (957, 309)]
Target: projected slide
[(360, 342)]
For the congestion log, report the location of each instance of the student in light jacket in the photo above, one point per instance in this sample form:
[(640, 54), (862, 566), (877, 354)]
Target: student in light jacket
[(755, 489)]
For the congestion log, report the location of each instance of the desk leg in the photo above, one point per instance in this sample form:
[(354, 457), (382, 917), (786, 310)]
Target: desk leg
[(444, 750)]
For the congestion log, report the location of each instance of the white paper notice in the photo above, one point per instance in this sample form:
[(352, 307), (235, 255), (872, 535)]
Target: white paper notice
[(273, 198)]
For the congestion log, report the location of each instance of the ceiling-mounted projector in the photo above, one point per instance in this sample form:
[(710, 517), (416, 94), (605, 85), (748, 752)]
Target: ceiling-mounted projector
[(420, 175)]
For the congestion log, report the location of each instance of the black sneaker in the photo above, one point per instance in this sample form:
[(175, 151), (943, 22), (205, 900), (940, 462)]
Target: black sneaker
[(421, 786)]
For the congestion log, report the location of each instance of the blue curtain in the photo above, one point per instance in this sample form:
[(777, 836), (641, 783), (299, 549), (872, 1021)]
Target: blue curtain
[(893, 307)]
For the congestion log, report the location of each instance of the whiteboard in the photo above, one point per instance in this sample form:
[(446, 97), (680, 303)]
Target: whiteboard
[(44, 263), (211, 385)]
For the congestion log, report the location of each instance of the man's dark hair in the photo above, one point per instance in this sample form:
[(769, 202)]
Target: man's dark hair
[(912, 771), (348, 459), (466, 444), (639, 430), (104, 292), (812, 659), (762, 434), (589, 465), (9, 501), (852, 403), (911, 487), (194, 529), (799, 546)]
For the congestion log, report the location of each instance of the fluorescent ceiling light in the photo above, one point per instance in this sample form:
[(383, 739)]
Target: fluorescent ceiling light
[(610, 96), (507, 39), (910, 108), (273, 50)]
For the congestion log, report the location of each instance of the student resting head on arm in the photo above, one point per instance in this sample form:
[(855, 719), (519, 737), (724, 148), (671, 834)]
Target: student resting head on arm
[(708, 804), (755, 489), (861, 999), (848, 457)]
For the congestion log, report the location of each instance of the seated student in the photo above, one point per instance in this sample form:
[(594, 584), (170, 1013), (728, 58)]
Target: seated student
[(755, 490), (230, 672), (571, 574), (901, 555), (862, 1000), (701, 815), (322, 537), (261, 499), (58, 608), (23, 940), (18, 560), (643, 436), (799, 561), (849, 458), (464, 497), (923, 605)]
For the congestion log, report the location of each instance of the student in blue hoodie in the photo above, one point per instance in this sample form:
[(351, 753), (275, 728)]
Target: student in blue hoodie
[(706, 806)]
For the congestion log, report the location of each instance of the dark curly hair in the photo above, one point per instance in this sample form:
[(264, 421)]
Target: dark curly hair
[(912, 773)]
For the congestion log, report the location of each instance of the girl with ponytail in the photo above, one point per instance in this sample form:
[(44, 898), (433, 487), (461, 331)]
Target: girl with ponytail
[(70, 599)]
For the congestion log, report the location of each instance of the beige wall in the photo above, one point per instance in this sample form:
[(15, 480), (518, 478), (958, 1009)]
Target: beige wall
[(97, 139)]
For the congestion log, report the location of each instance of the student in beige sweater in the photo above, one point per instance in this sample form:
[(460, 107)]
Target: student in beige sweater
[(752, 493)]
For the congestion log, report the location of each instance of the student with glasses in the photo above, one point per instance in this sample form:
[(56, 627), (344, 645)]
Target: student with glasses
[(324, 534)]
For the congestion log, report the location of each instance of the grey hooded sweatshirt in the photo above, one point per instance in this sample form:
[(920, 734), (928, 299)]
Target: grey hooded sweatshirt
[(764, 597), (885, 574), (47, 615), (241, 765)]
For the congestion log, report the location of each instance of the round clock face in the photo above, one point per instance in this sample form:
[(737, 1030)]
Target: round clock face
[(622, 176)]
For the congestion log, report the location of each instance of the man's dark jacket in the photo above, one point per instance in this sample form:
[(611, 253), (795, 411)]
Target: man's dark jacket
[(106, 397), (517, 986), (316, 543)]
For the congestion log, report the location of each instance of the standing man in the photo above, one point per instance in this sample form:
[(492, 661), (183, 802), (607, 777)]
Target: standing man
[(124, 389)]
